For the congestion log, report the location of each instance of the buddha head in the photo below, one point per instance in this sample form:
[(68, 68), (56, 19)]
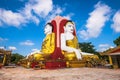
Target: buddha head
[(48, 28), (69, 27)]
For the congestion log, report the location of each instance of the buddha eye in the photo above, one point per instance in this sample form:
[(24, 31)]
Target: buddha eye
[(69, 25)]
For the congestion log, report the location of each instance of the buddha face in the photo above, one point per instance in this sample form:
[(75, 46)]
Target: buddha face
[(69, 27), (48, 29)]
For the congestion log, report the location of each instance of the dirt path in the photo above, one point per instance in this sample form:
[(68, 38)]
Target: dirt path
[(21, 73)]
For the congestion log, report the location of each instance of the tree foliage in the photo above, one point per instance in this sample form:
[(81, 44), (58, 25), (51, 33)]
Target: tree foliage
[(117, 41), (87, 47), (15, 57)]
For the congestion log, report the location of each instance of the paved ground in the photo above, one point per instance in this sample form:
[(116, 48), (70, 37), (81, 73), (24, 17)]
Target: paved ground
[(20, 73)]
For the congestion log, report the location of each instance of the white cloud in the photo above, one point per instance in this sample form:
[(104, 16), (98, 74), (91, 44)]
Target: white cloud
[(27, 13), (33, 50), (116, 22), (56, 11), (12, 48), (96, 21), (41, 7), (3, 39), (2, 47), (68, 16), (27, 43), (11, 18), (103, 47), (32, 9)]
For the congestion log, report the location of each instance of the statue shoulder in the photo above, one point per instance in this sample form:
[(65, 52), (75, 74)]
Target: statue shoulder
[(53, 34)]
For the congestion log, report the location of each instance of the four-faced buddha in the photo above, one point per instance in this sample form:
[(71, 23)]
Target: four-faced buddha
[(69, 42), (48, 44)]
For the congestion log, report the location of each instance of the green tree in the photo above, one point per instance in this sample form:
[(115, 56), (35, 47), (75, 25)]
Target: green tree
[(15, 57), (87, 47), (117, 41)]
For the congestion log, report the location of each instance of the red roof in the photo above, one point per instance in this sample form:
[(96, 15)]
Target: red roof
[(113, 51)]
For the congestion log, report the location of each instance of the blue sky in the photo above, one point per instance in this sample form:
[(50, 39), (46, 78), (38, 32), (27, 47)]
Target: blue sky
[(22, 22)]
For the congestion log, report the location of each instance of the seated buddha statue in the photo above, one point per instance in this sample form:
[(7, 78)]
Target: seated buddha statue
[(69, 42), (48, 44)]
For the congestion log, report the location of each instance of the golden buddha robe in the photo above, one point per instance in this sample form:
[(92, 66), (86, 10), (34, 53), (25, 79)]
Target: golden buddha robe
[(48, 47), (74, 44)]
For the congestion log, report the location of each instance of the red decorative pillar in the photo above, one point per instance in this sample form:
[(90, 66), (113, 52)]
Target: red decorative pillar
[(57, 57)]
